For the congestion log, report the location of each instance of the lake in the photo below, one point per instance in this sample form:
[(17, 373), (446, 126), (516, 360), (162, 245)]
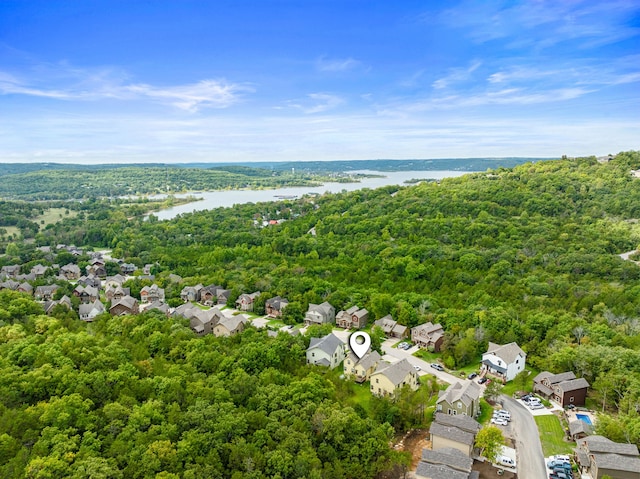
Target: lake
[(226, 198)]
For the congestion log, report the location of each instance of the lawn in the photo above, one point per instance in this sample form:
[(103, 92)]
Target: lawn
[(552, 436), (53, 215), (427, 355)]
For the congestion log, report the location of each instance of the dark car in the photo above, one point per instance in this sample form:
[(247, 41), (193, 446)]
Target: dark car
[(482, 380), (472, 375), (437, 366)]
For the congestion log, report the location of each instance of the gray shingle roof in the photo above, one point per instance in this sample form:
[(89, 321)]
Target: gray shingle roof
[(396, 372), (436, 471), (452, 433), (573, 384), (328, 343), (463, 422), (507, 352), (370, 359), (448, 456), (467, 393), (617, 462), (602, 444), (579, 427)]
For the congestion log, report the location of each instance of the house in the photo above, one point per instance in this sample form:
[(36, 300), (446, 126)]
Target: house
[(563, 388), (10, 284), (128, 269), (71, 271), (320, 314), (223, 296), (428, 336), (391, 328), (579, 429), (460, 398), (45, 293), (39, 270), (87, 294), (88, 311), (245, 301), (457, 432), (10, 271), (112, 293), (158, 306), (445, 463), (599, 456), (49, 305), (503, 361), (327, 351), (209, 294), (388, 378), (124, 305), (362, 368), (96, 268), (274, 306), (229, 326), (354, 317), (90, 280), (191, 293), (25, 288), (152, 293), (114, 281), (203, 322)]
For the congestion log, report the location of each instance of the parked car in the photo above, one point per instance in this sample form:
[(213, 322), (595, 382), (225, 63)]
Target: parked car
[(526, 397), (417, 368), (402, 345), (560, 470), (559, 475), (499, 421), (482, 380), (558, 463), (472, 375), (437, 367), (505, 461), (571, 406), (562, 458), (503, 414), (536, 405)]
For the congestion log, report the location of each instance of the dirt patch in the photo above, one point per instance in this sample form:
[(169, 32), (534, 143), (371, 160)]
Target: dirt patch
[(488, 471), (414, 442)]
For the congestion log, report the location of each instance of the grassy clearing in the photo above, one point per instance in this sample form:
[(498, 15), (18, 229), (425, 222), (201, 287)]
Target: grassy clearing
[(427, 355), (53, 215), (486, 411), (552, 435), (11, 230)]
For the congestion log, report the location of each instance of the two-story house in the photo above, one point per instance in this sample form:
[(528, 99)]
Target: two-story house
[(152, 293), (124, 305), (229, 326), (361, 369), (599, 456), (428, 336), (503, 361), (563, 388), (89, 311), (458, 432), (274, 306), (460, 398), (326, 351), (352, 318), (392, 328), (245, 301), (320, 314), (389, 378)]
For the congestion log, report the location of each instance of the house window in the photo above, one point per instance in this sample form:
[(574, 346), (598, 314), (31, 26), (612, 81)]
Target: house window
[(377, 381), (517, 361), (459, 405), (313, 355), (571, 399)]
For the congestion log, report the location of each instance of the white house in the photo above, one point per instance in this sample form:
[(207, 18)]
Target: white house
[(504, 361), (327, 351)]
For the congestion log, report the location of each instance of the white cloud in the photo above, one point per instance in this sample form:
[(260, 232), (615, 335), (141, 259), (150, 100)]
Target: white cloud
[(337, 64), (456, 75), (65, 83), (320, 103)]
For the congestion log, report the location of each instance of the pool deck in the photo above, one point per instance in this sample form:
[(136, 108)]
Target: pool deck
[(572, 416)]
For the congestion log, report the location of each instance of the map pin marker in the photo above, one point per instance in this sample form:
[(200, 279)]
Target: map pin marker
[(359, 342)]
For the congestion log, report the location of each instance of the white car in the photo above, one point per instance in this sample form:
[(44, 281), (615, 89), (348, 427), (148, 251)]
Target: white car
[(536, 405), (505, 461), (417, 368), (499, 421)]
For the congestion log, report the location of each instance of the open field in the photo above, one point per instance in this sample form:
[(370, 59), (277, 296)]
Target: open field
[(53, 215)]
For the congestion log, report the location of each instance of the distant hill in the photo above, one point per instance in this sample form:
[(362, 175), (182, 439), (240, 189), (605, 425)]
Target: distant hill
[(254, 168)]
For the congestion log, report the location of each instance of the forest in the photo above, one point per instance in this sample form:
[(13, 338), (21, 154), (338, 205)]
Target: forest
[(527, 254)]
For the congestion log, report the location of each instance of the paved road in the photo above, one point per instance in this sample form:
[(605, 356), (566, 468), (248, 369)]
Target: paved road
[(530, 461)]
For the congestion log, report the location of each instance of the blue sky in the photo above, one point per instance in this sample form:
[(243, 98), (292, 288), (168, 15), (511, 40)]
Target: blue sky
[(98, 81)]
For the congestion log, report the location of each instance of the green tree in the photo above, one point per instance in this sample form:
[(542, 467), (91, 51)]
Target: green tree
[(489, 440)]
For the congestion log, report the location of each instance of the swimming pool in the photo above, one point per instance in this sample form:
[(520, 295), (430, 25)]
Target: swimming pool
[(584, 418)]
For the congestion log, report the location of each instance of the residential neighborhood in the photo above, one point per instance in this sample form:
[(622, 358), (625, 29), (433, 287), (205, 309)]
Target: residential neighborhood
[(452, 433)]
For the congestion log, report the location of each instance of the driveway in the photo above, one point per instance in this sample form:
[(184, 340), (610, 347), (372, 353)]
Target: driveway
[(530, 459), (425, 367)]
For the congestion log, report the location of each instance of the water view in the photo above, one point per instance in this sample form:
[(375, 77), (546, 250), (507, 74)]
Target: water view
[(226, 198)]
